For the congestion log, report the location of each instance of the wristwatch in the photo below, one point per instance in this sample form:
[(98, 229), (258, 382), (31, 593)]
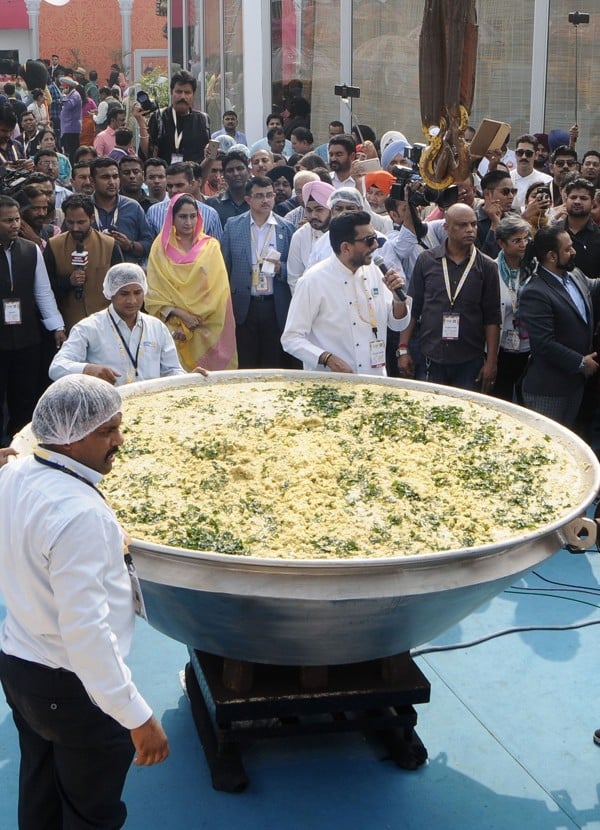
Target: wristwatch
[(401, 352)]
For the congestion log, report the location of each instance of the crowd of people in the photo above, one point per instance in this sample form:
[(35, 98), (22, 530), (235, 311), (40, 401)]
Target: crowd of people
[(236, 239), (140, 243)]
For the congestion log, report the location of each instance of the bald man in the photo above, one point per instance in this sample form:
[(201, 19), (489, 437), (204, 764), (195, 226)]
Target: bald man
[(456, 297)]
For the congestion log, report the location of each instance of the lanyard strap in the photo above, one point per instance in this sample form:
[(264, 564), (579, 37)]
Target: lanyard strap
[(372, 321), (115, 217), (462, 280), (178, 134), (46, 462), (260, 256), (134, 360)]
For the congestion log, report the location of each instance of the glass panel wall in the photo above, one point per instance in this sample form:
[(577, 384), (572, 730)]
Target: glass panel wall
[(306, 60), (385, 55), (234, 58), (212, 61), (572, 86)]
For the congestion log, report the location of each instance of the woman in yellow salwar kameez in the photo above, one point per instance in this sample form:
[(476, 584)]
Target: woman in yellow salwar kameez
[(188, 288)]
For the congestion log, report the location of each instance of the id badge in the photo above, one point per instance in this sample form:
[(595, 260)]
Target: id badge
[(12, 312), (450, 326), (511, 339), (377, 353), (176, 158), (255, 276), (262, 286), (136, 589)]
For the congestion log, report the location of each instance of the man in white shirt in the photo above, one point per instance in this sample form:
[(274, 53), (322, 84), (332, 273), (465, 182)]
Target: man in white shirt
[(342, 152), (526, 174), (70, 600), (119, 344), (315, 195), (342, 307)]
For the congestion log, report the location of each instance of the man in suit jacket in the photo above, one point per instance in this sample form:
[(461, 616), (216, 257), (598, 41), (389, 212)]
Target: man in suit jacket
[(255, 249), (556, 309)]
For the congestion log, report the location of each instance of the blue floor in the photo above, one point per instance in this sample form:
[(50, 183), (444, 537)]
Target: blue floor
[(508, 731)]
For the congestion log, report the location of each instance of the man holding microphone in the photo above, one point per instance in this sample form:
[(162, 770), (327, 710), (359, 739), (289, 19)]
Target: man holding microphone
[(342, 306)]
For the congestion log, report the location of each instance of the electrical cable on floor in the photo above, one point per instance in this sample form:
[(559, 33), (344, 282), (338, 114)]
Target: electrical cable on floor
[(419, 652)]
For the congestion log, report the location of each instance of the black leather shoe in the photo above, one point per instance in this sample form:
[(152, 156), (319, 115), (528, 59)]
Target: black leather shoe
[(597, 737)]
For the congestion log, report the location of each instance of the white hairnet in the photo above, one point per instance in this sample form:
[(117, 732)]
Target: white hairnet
[(125, 273), (346, 194), (73, 407)]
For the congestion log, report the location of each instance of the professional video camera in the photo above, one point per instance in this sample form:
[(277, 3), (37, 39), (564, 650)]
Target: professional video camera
[(409, 188), (11, 181)]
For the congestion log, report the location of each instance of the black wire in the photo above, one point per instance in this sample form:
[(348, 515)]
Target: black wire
[(420, 652)]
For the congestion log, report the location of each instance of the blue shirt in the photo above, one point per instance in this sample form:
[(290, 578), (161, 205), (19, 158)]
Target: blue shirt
[(240, 137), (128, 218), (212, 224)]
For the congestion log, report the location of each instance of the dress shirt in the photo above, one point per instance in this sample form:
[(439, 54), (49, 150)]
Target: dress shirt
[(60, 194), (263, 144), (300, 247), (70, 114), (95, 340), (262, 237), (337, 182), (226, 208), (105, 141), (405, 248), (574, 293), (157, 214), (329, 312), (240, 137), (42, 291), (63, 575)]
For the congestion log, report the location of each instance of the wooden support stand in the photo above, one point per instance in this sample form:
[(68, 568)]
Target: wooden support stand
[(234, 702)]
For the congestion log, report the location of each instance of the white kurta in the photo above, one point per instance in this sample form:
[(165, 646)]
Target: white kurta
[(330, 312), (301, 246)]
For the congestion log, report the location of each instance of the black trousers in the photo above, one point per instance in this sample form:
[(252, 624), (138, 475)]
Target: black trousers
[(19, 386), (74, 757), (258, 338)]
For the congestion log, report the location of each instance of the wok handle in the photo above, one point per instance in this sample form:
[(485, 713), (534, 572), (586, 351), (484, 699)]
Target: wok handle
[(580, 534)]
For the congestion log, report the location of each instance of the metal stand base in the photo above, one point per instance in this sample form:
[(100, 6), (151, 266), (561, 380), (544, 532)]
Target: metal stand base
[(234, 702)]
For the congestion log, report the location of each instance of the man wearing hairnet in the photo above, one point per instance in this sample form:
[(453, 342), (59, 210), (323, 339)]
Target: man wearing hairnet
[(119, 344), (71, 596)]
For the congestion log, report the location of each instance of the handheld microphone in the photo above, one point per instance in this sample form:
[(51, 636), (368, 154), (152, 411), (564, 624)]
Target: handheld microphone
[(397, 292), (77, 260)]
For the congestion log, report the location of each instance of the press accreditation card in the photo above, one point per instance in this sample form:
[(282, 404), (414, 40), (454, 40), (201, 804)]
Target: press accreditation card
[(450, 326), (176, 158), (377, 353), (12, 312)]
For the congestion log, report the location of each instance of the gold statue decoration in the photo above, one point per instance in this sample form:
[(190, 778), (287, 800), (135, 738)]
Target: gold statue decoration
[(447, 59)]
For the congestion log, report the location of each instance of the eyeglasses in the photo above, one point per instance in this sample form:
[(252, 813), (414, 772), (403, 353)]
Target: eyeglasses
[(565, 163), (527, 153), (264, 197), (368, 240), (508, 191), (47, 164), (519, 240)]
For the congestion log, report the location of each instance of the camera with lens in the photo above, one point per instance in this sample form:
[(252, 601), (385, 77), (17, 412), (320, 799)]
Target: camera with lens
[(11, 181), (416, 194), (146, 102)]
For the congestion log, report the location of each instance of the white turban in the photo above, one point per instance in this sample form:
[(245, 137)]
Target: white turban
[(72, 408)]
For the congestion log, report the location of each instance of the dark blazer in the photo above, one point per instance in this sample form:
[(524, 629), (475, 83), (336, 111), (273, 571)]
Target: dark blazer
[(559, 336), (237, 253)]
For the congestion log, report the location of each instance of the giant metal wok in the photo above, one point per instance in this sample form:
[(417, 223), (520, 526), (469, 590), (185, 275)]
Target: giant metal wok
[(318, 612)]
